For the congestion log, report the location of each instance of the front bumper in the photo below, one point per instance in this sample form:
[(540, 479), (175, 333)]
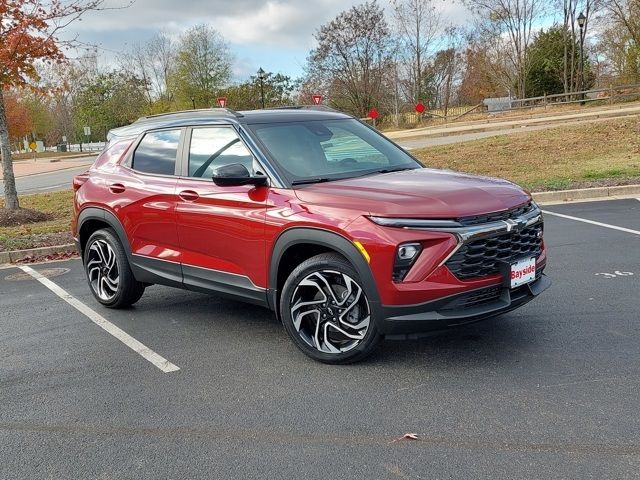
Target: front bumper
[(468, 307)]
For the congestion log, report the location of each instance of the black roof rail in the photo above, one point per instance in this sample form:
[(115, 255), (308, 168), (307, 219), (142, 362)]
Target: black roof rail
[(322, 108), (227, 111)]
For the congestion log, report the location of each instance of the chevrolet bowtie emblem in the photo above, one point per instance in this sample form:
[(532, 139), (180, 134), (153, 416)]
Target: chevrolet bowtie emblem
[(511, 224)]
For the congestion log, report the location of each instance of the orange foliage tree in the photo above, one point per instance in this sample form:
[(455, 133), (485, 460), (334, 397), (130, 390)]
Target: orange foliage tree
[(29, 34), (18, 115)]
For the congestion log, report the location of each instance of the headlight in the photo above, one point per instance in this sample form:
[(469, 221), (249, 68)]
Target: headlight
[(406, 255)]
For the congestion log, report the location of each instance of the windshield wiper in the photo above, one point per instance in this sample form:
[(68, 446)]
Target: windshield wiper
[(307, 181), (399, 169)]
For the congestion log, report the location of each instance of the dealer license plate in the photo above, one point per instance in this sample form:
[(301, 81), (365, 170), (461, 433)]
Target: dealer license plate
[(523, 272)]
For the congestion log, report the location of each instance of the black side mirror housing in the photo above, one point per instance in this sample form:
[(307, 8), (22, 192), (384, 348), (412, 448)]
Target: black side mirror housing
[(236, 174)]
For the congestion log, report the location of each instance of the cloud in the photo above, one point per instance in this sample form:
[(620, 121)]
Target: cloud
[(260, 32)]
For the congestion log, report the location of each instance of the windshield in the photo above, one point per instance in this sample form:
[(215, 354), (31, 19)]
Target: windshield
[(324, 150)]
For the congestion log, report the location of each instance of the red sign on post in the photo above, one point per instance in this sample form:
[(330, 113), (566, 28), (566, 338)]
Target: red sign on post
[(317, 99), (373, 114), (222, 101), (420, 108)]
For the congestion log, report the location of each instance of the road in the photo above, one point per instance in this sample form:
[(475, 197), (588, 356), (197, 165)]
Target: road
[(548, 391), (47, 182)]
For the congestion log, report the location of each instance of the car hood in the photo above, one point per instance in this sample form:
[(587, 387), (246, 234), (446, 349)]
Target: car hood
[(424, 192)]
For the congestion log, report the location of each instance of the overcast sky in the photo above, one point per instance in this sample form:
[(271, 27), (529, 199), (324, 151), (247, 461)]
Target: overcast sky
[(274, 35)]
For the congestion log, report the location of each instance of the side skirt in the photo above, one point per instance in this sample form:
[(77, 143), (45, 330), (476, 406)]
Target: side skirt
[(203, 280)]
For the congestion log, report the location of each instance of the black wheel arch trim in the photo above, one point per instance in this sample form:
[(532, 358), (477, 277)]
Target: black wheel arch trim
[(326, 238), (95, 213)]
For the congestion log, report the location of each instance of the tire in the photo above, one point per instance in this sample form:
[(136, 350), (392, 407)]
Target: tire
[(325, 310), (108, 272)]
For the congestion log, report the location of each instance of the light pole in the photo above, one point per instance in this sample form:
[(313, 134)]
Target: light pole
[(582, 20), (261, 78)]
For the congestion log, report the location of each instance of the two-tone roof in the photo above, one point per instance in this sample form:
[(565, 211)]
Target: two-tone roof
[(221, 116)]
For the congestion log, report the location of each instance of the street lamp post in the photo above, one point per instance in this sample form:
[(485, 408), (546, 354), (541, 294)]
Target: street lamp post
[(582, 20), (261, 78)]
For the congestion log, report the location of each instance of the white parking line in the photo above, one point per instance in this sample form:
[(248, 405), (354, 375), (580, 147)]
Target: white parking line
[(162, 363), (599, 224)]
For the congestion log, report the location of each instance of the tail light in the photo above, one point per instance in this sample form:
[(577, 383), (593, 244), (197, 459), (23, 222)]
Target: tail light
[(79, 180)]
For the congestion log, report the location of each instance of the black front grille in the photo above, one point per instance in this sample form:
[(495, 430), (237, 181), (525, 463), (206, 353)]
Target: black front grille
[(497, 216), (480, 258), (476, 298)]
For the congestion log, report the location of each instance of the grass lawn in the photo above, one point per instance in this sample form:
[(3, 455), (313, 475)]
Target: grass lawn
[(51, 232), (602, 153)]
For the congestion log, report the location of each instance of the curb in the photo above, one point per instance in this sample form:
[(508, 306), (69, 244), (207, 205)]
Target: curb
[(17, 255), (563, 196)]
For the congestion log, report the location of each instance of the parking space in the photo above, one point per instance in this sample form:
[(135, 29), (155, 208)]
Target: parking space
[(548, 391)]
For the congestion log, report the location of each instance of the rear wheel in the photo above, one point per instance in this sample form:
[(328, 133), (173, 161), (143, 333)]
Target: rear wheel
[(326, 312), (108, 272)]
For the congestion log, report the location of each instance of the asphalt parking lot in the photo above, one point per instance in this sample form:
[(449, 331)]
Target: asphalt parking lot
[(548, 391)]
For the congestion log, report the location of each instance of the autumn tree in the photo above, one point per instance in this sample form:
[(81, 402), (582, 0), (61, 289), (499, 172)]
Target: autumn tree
[(18, 117), (30, 33)]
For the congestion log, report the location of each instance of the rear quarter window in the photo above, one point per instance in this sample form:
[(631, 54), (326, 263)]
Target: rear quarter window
[(157, 152)]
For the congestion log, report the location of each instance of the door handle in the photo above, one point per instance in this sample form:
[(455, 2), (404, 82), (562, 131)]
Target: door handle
[(188, 195), (117, 188)]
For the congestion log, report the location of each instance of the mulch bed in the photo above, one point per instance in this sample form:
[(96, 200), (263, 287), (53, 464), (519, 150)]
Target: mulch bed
[(12, 218)]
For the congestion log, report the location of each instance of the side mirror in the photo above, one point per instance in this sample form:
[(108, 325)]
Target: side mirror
[(236, 174)]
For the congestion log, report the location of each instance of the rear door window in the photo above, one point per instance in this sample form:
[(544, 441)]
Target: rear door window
[(157, 153)]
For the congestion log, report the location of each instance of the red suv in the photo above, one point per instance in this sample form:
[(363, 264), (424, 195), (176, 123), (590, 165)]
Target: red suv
[(310, 213)]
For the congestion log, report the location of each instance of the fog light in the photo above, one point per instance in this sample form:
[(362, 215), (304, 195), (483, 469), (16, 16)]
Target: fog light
[(408, 251), (406, 255)]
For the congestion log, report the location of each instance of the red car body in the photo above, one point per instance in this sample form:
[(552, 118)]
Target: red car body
[(244, 240)]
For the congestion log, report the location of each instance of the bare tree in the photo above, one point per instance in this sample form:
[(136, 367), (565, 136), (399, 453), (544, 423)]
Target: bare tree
[(353, 58), (418, 24), (154, 63), (510, 23), (573, 35), (626, 13), (621, 38)]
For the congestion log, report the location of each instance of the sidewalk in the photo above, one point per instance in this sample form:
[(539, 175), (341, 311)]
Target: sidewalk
[(497, 124), (23, 168)]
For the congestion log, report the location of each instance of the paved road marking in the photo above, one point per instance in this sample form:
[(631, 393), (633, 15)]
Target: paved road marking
[(162, 363), (605, 225)]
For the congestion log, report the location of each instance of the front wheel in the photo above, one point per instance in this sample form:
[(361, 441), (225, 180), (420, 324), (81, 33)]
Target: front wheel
[(326, 311), (108, 272)]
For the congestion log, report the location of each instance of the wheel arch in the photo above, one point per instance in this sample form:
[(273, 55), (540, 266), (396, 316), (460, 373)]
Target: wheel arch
[(323, 241), (91, 219)]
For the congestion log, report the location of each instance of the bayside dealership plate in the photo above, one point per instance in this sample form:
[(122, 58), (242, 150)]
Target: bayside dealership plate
[(523, 272)]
